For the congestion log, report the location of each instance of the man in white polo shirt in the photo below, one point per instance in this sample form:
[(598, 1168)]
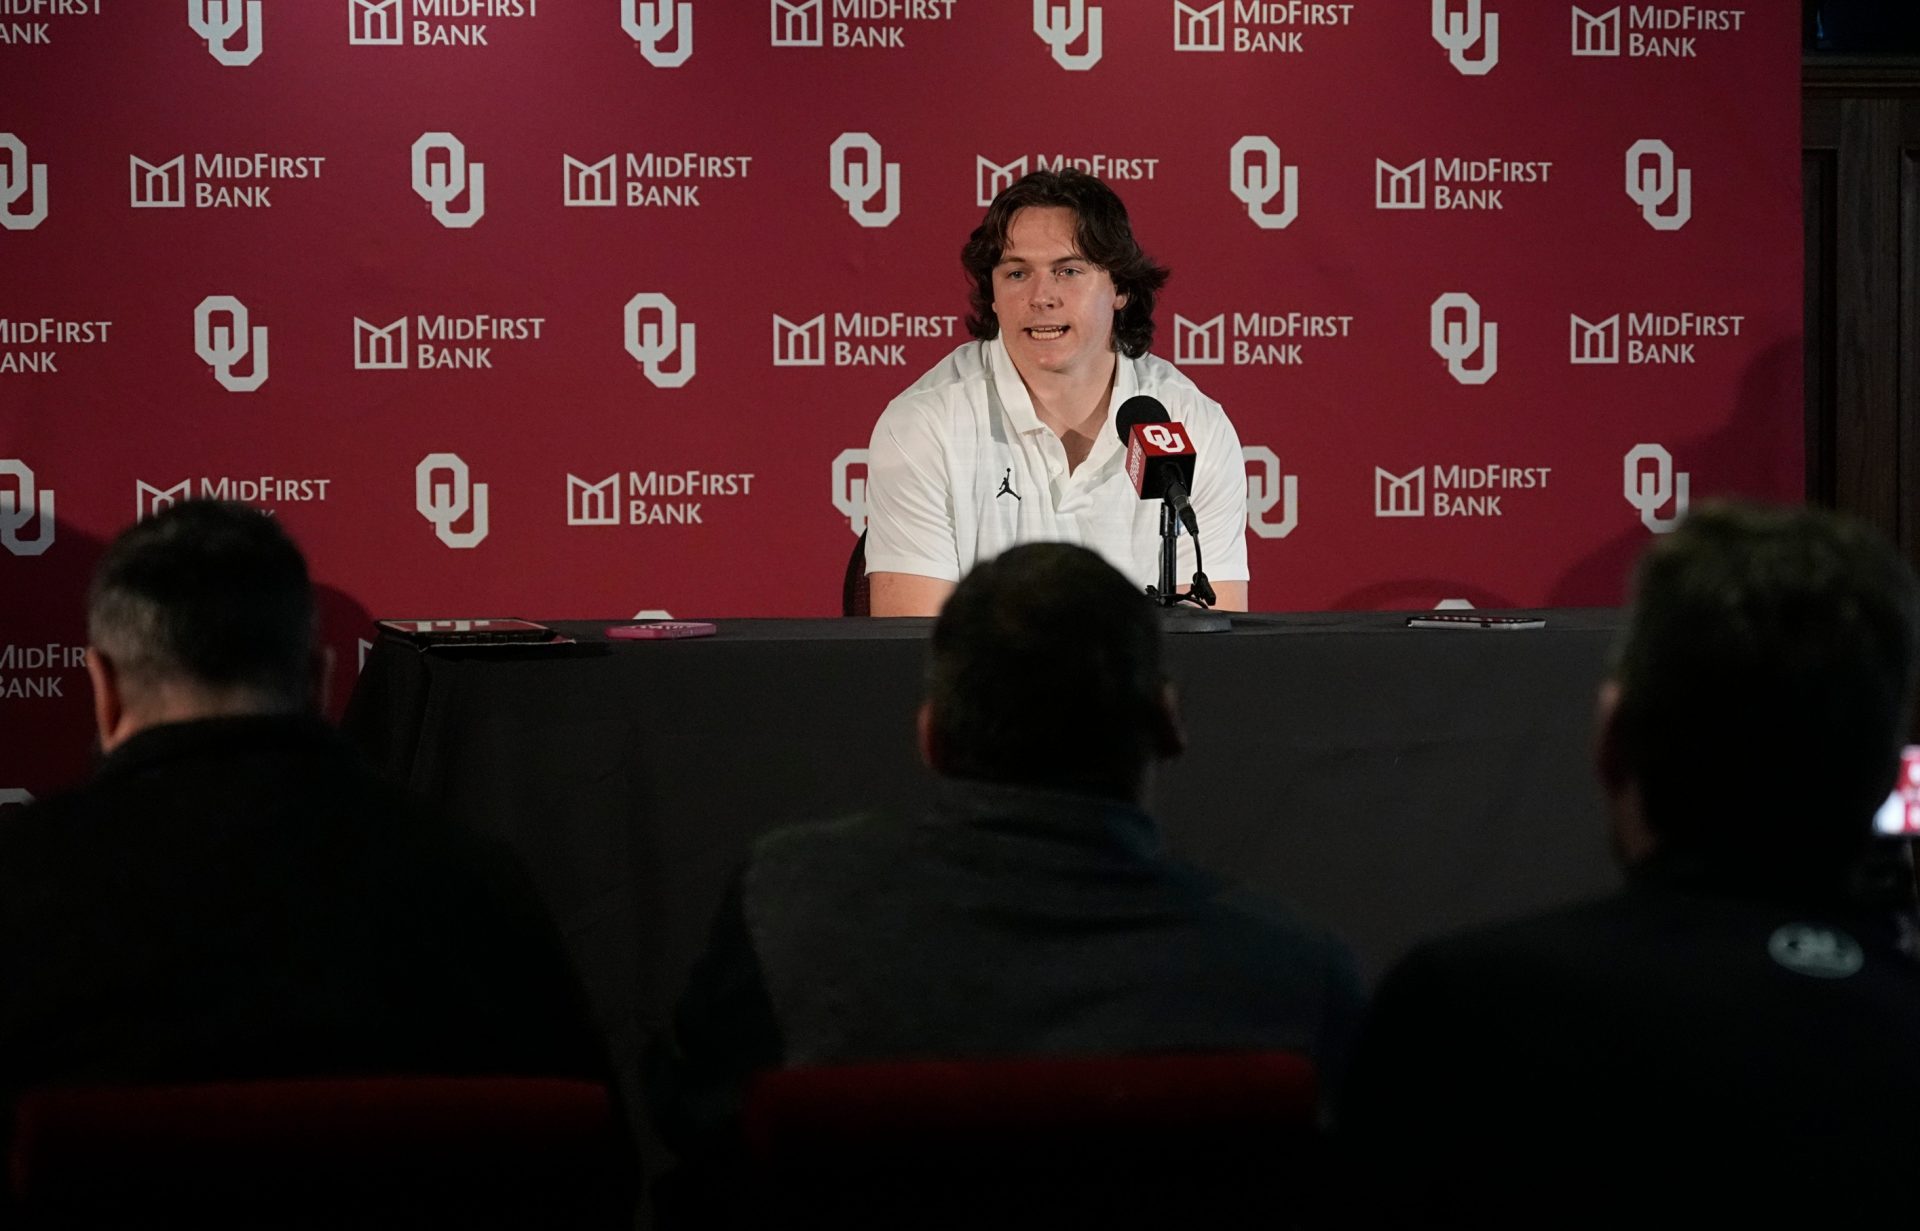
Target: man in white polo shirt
[(1010, 438)]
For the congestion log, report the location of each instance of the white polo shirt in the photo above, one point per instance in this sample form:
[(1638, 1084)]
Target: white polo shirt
[(961, 468)]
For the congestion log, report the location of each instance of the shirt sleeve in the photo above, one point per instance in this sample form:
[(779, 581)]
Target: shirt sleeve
[(910, 526), (1220, 496)]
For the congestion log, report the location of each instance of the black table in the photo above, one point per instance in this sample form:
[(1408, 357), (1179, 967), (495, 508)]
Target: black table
[(1392, 782)]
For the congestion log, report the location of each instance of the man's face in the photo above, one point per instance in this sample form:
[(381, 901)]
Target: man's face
[(1054, 306)]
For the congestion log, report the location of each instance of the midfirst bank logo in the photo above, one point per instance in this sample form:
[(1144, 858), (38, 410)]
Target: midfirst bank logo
[(650, 180), (1452, 491), (1652, 339), (1267, 489), (39, 33), (1260, 26), (219, 181), (656, 340), (1664, 30), (440, 182), (650, 498), (26, 510), (1060, 26), (1653, 179), (20, 177), (1651, 483), (858, 339), (1256, 176), (850, 488), (654, 25), (1458, 183), (219, 22), (224, 336), (1461, 25), (436, 23), (262, 491), (446, 502), (40, 672), (991, 178), (1256, 339), (1457, 333), (439, 341), (862, 180), (34, 342), (856, 23)]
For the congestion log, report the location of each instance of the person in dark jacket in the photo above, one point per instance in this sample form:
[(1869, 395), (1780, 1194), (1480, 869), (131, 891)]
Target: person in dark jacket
[(1737, 1029), (234, 894)]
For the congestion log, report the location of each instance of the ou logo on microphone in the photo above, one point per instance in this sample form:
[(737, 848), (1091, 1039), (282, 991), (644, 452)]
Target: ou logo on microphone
[(1255, 177), (18, 178), (443, 504), (1060, 27), (1648, 489), (1458, 340), (654, 24), (652, 343), (1161, 436), (439, 184), (850, 489), (1651, 185), (225, 346), (1457, 31), (858, 181), (219, 20)]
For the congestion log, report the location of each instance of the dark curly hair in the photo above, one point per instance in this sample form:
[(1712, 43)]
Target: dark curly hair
[(1103, 235)]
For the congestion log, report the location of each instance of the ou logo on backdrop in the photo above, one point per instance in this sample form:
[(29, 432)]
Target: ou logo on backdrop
[(440, 184), (1457, 341), (858, 181), (17, 177), (443, 504), (219, 20), (653, 24), (849, 489), (224, 347), (652, 343), (1266, 487), (1258, 182), (1647, 490), (1457, 31), (1652, 184), (20, 509), (1059, 27)]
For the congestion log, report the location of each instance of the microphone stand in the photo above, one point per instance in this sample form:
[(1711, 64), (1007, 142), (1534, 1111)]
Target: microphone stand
[(1189, 612)]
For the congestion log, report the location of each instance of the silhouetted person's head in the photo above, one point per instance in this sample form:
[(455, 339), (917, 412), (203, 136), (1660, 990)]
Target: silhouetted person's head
[(1046, 672), (202, 610), (1762, 690)]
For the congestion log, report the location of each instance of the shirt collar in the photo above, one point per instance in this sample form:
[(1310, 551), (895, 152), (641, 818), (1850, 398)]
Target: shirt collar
[(175, 741), (1019, 405), (1089, 820)]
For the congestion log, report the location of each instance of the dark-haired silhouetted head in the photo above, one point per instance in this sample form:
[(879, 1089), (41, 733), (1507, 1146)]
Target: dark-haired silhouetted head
[(1103, 235), (203, 608), (1762, 690), (1046, 672)]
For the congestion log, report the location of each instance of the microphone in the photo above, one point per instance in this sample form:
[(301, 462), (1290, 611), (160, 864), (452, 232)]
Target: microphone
[(1160, 456)]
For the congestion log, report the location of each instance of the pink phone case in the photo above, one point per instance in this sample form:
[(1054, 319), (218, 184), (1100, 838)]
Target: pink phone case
[(662, 631)]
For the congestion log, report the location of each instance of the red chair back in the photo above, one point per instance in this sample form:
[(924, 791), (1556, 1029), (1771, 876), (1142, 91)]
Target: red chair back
[(360, 1151)]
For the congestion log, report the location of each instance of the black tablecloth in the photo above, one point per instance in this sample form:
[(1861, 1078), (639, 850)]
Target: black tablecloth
[(1392, 782)]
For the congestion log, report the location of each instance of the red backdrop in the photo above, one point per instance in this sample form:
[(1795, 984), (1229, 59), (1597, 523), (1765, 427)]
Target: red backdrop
[(1490, 289)]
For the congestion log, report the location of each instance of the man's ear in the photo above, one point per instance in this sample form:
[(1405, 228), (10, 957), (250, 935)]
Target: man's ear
[(109, 699), (929, 739), (1169, 733)]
